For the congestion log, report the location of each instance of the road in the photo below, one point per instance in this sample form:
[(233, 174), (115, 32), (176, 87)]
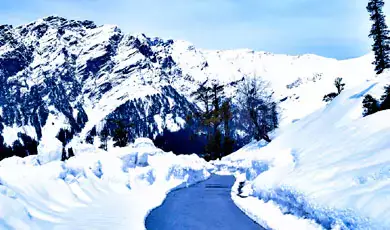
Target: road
[(206, 205)]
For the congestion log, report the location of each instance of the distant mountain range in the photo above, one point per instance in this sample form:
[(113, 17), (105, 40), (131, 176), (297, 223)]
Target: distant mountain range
[(70, 79)]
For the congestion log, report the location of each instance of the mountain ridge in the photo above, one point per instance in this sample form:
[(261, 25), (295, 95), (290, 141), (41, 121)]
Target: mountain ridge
[(83, 75)]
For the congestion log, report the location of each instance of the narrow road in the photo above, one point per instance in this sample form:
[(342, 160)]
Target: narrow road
[(206, 205)]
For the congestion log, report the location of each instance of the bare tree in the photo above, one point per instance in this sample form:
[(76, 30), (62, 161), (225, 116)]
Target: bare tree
[(338, 82), (258, 111)]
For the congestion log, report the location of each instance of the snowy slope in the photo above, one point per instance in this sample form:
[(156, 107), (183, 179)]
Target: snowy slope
[(301, 80), (331, 167), (87, 75), (95, 189)]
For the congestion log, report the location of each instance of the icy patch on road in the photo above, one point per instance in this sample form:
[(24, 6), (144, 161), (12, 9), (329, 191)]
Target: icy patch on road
[(93, 190)]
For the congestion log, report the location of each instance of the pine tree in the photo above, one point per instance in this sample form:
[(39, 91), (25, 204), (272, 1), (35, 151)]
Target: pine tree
[(370, 105), (217, 94), (210, 119), (228, 141), (214, 121), (385, 99), (202, 94), (380, 34), (214, 135)]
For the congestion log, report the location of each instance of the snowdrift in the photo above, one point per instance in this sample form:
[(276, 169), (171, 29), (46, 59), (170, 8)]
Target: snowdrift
[(93, 190), (332, 167)]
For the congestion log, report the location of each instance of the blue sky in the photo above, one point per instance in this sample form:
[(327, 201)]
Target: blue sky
[(331, 28)]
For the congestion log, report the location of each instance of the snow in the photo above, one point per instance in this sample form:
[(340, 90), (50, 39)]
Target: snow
[(128, 90), (330, 168), (5, 49), (10, 134), (49, 149), (174, 125), (160, 123), (54, 123), (268, 214), (316, 74), (95, 189)]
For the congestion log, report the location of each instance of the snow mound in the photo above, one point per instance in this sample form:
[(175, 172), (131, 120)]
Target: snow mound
[(117, 188), (143, 142), (332, 167), (49, 149)]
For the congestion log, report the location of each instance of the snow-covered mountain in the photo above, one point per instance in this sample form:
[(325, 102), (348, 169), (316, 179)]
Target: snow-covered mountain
[(64, 78)]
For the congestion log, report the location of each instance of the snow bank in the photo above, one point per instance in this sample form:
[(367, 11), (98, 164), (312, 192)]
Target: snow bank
[(332, 167), (93, 190), (267, 214), (49, 149)]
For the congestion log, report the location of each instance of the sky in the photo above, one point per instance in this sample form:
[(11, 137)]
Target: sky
[(331, 28)]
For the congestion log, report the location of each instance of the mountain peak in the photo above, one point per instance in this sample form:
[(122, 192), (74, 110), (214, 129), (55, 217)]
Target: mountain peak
[(58, 22)]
